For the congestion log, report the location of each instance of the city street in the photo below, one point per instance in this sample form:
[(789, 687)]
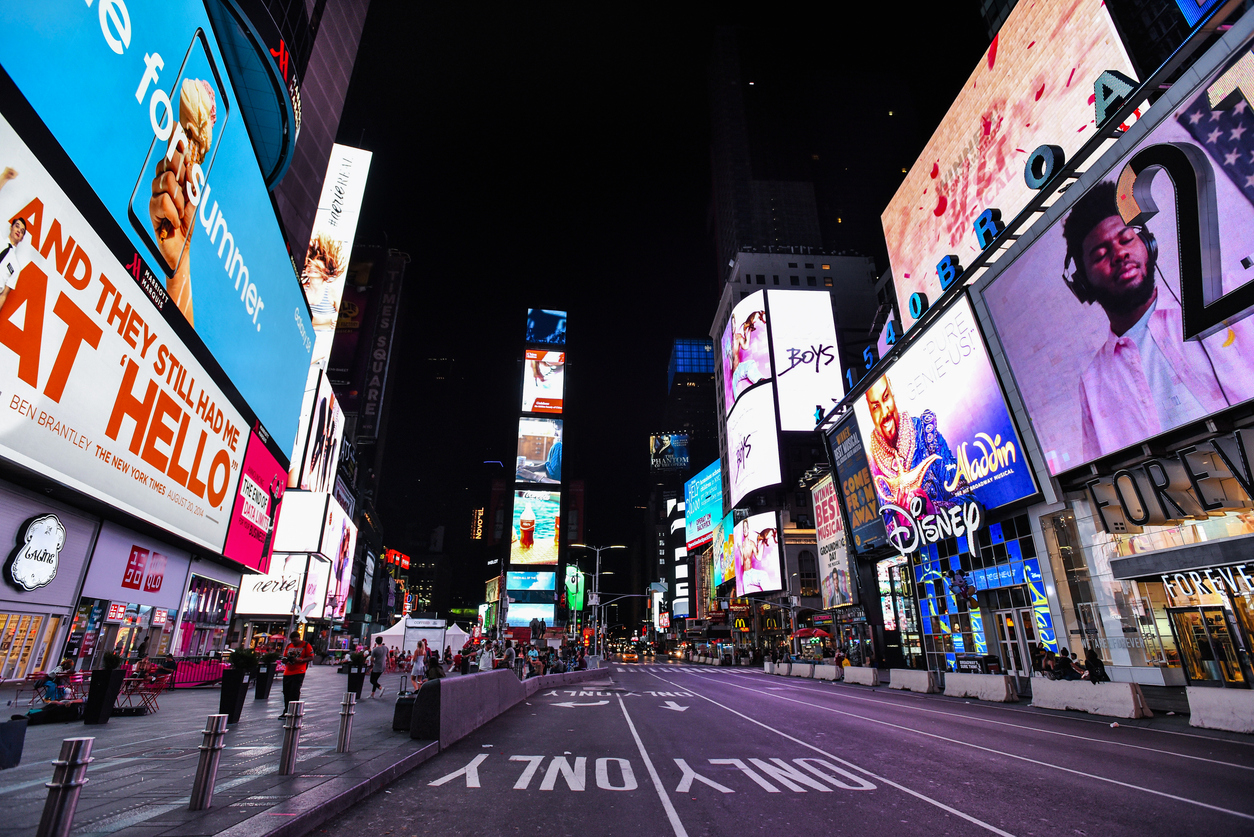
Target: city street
[(666, 748)]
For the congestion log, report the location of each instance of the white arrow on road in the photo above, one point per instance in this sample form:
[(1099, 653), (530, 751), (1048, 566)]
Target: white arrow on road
[(670, 704), (571, 703)]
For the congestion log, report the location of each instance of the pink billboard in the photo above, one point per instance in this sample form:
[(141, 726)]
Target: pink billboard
[(262, 482)]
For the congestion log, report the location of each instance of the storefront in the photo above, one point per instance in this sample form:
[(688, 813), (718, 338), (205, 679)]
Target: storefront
[(292, 595), (900, 613), (854, 636)]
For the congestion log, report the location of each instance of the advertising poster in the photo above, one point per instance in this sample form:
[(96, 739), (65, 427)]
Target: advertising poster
[(275, 593), (703, 505), (1092, 315), (1034, 86), (129, 567), (520, 614), (101, 393), (374, 376), (317, 577), (668, 452), (829, 531), (539, 451), (339, 540), (314, 466), (544, 380), (530, 581), (745, 348), (353, 329), (752, 444), (575, 586), (262, 481), (533, 538), (939, 433), (724, 553), (546, 327), (854, 477), (150, 121), (492, 590), (758, 554), (331, 243), (808, 379)]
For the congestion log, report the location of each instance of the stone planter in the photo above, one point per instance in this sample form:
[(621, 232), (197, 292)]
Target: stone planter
[(234, 690), (102, 694)]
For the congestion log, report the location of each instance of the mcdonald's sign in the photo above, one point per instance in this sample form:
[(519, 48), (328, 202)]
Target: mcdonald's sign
[(741, 626)]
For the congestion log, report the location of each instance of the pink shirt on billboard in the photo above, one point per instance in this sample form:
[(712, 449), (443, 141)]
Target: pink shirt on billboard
[(1120, 407)]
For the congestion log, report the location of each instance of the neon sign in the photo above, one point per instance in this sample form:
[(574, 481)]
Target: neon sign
[(910, 530)]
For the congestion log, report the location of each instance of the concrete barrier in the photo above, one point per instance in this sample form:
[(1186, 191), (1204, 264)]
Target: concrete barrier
[(822, 672), (768, 667), (802, 670), (552, 681), (994, 687), (1118, 700), (862, 676), (912, 680), (1229, 709)]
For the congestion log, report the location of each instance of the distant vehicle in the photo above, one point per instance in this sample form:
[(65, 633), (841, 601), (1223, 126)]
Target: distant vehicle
[(629, 657)]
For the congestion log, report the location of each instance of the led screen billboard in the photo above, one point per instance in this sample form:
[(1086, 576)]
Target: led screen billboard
[(668, 452), (275, 593), (314, 462), (745, 348), (723, 566), (752, 444), (155, 131), (530, 581), (520, 614), (258, 500), (854, 477), (836, 578), (546, 327), (1092, 316), (703, 505), (544, 380), (339, 541), (533, 536), (575, 584), (939, 433), (539, 451), (1034, 86), (757, 554), (808, 379), (317, 577)]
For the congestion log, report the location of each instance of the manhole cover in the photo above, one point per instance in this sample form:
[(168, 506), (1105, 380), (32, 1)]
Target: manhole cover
[(167, 753)]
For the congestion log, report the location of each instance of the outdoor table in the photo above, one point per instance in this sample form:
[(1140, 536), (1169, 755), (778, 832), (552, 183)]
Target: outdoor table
[(130, 697)]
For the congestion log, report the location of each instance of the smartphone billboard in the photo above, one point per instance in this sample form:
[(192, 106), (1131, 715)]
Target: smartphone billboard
[(544, 380)]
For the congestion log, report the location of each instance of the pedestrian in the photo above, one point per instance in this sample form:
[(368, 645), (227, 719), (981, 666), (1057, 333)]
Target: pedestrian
[(434, 670), (296, 658), (1063, 669), (378, 662), (418, 672), (448, 655), (1094, 668), (486, 661)]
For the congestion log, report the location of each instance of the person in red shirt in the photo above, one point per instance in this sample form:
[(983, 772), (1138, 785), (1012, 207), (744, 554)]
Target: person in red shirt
[(296, 658)]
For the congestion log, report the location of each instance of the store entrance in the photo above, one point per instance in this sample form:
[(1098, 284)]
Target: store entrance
[(1211, 650), (1016, 634)]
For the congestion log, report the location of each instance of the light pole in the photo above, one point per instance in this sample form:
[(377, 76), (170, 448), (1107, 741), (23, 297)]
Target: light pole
[(596, 591)]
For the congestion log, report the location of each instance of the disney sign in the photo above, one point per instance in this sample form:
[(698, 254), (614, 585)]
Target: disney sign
[(911, 530)]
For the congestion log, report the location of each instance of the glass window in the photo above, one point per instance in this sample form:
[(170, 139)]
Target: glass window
[(812, 281), (795, 280)]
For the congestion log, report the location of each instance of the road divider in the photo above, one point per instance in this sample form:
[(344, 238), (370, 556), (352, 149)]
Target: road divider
[(1227, 709), (1117, 700), (912, 680), (998, 688)]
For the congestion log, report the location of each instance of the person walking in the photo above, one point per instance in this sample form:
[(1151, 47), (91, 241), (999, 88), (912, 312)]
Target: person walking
[(296, 658), (378, 663)]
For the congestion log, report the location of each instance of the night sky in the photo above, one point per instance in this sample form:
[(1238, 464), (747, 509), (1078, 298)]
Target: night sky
[(558, 157)]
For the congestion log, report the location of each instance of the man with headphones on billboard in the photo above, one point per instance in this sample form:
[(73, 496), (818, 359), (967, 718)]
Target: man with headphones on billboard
[(1146, 378)]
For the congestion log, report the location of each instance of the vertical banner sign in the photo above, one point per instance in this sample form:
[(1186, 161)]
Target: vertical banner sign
[(834, 569), (381, 346), (808, 377), (854, 477)]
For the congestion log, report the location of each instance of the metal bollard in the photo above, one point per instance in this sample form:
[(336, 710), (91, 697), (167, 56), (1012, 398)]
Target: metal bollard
[(291, 737), (347, 709), (210, 756), (68, 777)]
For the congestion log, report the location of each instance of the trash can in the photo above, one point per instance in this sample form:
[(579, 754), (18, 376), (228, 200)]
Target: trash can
[(12, 741), (404, 712)]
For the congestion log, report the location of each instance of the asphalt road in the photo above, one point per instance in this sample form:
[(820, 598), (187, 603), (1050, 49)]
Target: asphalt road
[(666, 749)]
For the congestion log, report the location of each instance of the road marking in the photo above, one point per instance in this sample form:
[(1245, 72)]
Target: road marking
[(748, 771), (470, 771), (624, 767), (670, 704), (957, 813), (570, 703), (533, 765), (1071, 770), (789, 776), (575, 777), (685, 781), (657, 783)]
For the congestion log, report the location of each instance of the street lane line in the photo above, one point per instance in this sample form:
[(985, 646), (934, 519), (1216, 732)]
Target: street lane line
[(1163, 794), (657, 782), (851, 765)]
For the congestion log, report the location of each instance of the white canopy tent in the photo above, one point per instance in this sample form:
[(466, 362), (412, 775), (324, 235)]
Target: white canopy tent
[(407, 633), (454, 638)]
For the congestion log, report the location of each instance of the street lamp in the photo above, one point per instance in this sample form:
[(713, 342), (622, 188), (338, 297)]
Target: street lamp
[(596, 584)]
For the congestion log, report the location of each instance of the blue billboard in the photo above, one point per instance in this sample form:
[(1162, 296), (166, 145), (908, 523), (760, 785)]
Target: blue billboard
[(703, 505), (137, 96)]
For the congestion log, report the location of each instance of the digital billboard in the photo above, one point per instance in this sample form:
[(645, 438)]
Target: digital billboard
[(262, 481), (520, 614), (939, 435), (1034, 86), (854, 478), (317, 578), (492, 590), (314, 464), (575, 585), (757, 554), (1104, 338), (544, 380), (668, 453), (703, 505), (723, 566), (808, 379), (277, 592), (546, 327), (155, 132), (533, 536), (752, 444), (539, 451), (837, 580), (530, 581), (339, 541), (745, 348)]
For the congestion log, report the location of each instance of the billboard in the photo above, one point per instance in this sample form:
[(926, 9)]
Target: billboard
[(668, 452), (575, 586), (1034, 86), (262, 481), (492, 590), (317, 455), (539, 451), (752, 444), (940, 436), (339, 541), (723, 565), (745, 348), (703, 505), (836, 578), (317, 577), (808, 379), (1093, 316), (533, 536), (544, 380), (546, 327), (854, 476), (757, 554), (275, 593), (155, 132), (520, 614), (530, 581), (377, 359)]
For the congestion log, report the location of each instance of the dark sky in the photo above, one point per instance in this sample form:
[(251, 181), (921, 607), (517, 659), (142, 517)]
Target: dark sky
[(535, 155)]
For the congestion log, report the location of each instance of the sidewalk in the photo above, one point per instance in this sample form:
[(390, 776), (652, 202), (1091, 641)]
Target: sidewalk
[(142, 775)]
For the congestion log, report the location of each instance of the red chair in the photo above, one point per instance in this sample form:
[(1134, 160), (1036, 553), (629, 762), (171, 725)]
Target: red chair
[(149, 692)]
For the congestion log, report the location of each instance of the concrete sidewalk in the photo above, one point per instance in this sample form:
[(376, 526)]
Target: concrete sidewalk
[(142, 775)]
